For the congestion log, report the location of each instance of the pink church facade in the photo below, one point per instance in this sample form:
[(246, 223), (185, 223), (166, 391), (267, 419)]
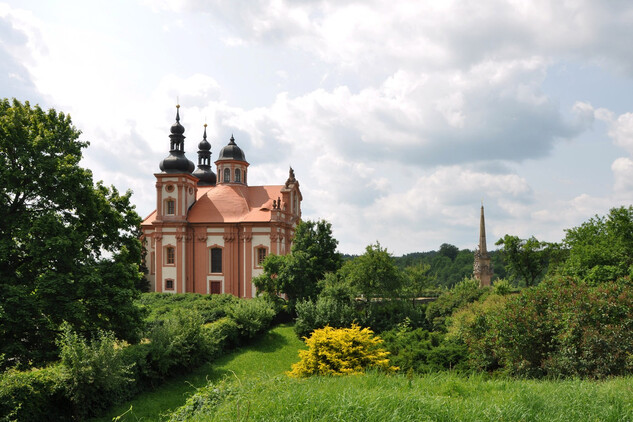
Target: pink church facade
[(209, 234)]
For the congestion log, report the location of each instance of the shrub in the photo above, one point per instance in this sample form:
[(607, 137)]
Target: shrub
[(94, 375), (472, 327), (159, 306), (325, 311), (252, 316), (467, 291), (341, 351), (422, 351), (35, 395), (559, 328), (204, 401), (221, 335), (388, 314), (176, 344)]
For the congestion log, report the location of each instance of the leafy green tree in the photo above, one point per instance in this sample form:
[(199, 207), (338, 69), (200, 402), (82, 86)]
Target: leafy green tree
[(449, 251), (416, 279), (374, 273), (600, 249), (313, 254), (526, 260), (69, 249)]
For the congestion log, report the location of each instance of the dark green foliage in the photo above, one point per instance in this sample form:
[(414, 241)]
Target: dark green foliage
[(422, 351), (600, 249), (385, 315), (559, 328), (312, 315), (251, 316), (222, 335), (373, 274), (36, 395), (449, 251), (210, 307), (94, 373), (205, 401), (313, 254), (527, 260), (447, 268), (463, 293), (69, 249), (177, 344)]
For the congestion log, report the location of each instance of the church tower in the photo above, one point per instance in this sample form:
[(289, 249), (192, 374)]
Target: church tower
[(482, 269), (176, 190)]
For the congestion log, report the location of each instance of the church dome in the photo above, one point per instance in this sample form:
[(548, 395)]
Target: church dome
[(206, 176), (232, 152), (176, 162)]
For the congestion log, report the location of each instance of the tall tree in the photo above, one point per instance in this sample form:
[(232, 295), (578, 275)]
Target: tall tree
[(526, 260), (601, 249), (374, 273), (69, 249), (313, 254)]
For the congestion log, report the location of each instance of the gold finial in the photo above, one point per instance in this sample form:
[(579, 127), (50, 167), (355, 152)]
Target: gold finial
[(205, 125)]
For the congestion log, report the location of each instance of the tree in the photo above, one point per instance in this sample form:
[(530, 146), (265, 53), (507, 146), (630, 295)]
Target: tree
[(313, 254), (600, 249), (526, 260), (449, 251), (69, 249), (373, 274)]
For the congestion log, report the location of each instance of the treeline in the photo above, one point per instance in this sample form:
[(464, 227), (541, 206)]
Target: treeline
[(449, 265), (445, 267)]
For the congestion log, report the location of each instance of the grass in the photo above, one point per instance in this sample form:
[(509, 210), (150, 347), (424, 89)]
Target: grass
[(250, 384), (434, 397), (270, 355)]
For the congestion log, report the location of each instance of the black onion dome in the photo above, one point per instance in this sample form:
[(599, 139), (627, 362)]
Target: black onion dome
[(206, 176), (232, 152), (204, 145), (176, 162)]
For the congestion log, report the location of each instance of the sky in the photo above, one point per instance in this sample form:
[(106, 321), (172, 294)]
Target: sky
[(398, 117)]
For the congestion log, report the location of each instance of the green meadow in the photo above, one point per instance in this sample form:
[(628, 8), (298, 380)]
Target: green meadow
[(250, 384)]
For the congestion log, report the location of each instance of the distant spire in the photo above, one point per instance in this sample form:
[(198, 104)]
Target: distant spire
[(482, 232)]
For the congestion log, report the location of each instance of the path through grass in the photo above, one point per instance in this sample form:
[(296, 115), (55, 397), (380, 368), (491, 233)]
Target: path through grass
[(271, 355)]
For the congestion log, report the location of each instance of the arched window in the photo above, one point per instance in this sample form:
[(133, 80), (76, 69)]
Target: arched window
[(169, 284), (238, 175), (227, 175)]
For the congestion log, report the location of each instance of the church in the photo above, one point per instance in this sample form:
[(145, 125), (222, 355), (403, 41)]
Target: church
[(210, 234)]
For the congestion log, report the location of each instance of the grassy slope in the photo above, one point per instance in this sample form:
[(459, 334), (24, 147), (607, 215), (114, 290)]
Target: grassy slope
[(261, 392), (271, 355), (434, 397)]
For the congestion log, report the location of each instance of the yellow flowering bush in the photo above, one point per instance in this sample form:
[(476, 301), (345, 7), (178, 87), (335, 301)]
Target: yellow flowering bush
[(341, 351)]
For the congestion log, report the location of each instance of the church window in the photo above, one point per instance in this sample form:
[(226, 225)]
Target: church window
[(227, 175), (152, 264), (216, 260), (261, 256), (171, 207), (169, 284), (170, 255), (238, 175)]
